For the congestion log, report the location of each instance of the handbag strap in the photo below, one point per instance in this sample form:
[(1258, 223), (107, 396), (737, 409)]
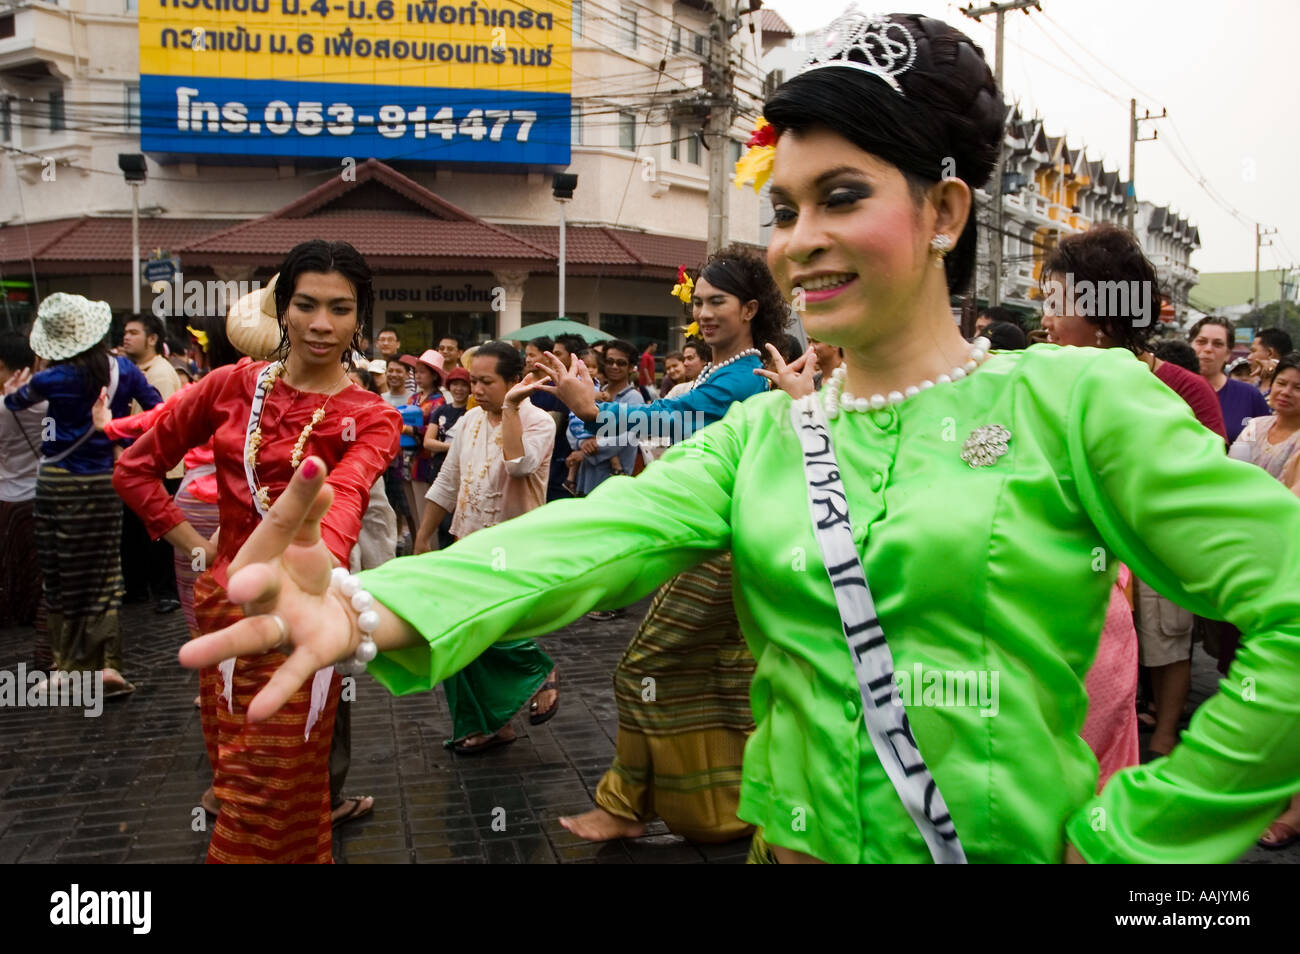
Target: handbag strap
[(882, 710)]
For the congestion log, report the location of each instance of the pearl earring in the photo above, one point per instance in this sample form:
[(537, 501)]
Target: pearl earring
[(942, 244)]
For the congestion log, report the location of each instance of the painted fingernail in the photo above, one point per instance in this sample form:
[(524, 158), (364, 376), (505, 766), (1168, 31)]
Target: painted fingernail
[(310, 468)]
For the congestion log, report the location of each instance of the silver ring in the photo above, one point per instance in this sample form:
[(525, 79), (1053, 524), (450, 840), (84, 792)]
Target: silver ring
[(284, 630)]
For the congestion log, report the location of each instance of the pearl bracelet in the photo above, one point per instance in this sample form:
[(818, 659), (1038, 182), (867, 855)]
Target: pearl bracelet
[(367, 621)]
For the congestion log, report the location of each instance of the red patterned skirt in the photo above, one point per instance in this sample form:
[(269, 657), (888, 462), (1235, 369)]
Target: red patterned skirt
[(273, 785)]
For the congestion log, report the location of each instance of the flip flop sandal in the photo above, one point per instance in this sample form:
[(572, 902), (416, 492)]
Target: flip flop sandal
[(460, 748), (537, 718), (1289, 837), (358, 810)]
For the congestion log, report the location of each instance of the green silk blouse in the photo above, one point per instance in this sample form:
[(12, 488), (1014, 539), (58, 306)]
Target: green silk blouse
[(991, 578)]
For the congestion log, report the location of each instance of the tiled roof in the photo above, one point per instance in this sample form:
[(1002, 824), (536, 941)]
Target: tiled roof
[(375, 234), (772, 22), (610, 251), (92, 239)]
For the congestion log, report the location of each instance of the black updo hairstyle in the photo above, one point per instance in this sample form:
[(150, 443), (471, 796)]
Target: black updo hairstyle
[(742, 272), (318, 255), (510, 363), (948, 121), (1288, 362)]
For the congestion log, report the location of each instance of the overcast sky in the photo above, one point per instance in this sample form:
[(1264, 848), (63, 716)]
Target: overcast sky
[(1226, 73)]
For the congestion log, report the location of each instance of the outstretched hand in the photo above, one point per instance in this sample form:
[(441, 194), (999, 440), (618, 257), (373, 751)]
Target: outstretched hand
[(283, 569), (531, 382), (796, 378), (573, 385)]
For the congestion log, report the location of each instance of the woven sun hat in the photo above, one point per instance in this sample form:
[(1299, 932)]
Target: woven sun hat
[(252, 324), (67, 325), (433, 359), (378, 366)]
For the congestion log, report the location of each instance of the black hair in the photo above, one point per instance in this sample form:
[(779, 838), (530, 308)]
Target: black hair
[(948, 121), (318, 255), (152, 325), (1277, 339), (1109, 257), (1004, 336), (573, 343), (367, 381), (1225, 323), (701, 348), (16, 351), (510, 364), (1001, 313), (1177, 351), (460, 344), (1288, 362), (740, 271), (789, 347), (219, 350), (92, 365), (542, 344), (628, 349)]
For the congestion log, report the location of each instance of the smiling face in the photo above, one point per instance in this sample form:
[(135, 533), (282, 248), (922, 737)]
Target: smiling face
[(723, 318), (848, 231), (321, 318), (387, 343), (673, 370), (617, 366), (692, 363), (396, 377)]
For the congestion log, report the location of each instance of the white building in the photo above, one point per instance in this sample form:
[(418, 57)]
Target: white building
[(70, 81)]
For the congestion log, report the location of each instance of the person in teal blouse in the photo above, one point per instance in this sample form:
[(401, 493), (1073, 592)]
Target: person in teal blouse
[(990, 499)]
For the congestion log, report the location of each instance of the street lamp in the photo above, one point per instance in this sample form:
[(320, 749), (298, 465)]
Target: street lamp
[(133, 167), (562, 186)]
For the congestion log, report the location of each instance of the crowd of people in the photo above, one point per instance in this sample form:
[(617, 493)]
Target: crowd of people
[(1066, 510)]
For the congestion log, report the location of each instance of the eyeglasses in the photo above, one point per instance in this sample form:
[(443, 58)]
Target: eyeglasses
[(616, 362)]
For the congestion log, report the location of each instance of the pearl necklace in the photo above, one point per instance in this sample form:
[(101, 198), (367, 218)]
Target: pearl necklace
[(711, 367), (835, 403)]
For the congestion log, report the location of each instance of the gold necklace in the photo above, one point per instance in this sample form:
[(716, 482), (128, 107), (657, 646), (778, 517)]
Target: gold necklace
[(255, 438), (473, 497)]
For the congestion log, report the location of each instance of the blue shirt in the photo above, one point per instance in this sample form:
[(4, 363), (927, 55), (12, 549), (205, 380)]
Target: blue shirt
[(680, 417), (1240, 402), (70, 403)]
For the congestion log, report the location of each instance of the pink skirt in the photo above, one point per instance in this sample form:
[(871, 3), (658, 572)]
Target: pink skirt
[(1111, 727)]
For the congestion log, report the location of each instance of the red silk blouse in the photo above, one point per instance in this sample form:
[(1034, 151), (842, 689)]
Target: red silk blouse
[(357, 439)]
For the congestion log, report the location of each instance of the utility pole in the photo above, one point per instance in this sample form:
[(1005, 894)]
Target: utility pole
[(718, 129), (1260, 234), (1130, 200), (995, 234)]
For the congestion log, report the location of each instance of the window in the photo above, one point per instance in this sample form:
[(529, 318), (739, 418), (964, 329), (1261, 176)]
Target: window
[(131, 6), (773, 80), (735, 152), (6, 27), (699, 43), (6, 119), (627, 21), (693, 148), (575, 133), (627, 131), (132, 105), (57, 120), (674, 147), (677, 39)]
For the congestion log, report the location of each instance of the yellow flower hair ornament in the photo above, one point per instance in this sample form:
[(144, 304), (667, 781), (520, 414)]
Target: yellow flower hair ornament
[(685, 286), (756, 165)]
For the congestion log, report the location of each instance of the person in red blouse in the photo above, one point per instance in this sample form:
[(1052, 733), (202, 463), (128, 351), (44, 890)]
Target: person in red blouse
[(264, 419)]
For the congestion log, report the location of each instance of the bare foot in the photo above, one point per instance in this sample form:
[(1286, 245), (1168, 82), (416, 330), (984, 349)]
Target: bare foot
[(600, 825), (506, 734)]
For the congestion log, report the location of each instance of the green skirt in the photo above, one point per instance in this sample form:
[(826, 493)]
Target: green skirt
[(487, 693)]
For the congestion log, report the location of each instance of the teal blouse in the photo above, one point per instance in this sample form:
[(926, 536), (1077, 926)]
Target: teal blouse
[(977, 572)]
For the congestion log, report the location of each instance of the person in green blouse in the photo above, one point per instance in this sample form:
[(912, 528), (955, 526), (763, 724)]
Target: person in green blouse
[(921, 563)]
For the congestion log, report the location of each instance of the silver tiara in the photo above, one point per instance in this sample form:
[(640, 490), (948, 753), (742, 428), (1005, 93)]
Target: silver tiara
[(884, 48)]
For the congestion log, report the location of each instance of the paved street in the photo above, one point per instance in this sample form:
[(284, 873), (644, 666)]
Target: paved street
[(124, 787)]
